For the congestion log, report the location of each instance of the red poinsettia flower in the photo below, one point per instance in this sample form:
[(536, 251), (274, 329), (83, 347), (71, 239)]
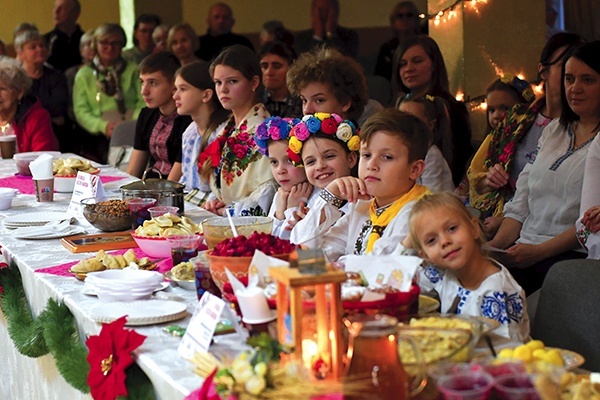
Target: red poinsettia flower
[(109, 355), (2, 266), (206, 391)]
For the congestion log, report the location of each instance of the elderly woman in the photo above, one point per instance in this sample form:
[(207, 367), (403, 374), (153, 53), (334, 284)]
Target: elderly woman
[(49, 85), (183, 42), (106, 92), (21, 114)]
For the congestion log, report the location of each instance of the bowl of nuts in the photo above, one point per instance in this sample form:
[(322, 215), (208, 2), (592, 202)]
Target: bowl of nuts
[(109, 214)]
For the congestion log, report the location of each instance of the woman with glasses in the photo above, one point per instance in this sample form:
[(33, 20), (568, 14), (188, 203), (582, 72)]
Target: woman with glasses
[(405, 22), (106, 92)]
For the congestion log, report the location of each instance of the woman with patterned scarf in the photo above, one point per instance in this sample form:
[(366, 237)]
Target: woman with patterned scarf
[(106, 92)]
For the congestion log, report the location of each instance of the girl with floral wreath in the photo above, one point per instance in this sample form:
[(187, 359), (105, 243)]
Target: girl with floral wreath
[(241, 178), (511, 144)]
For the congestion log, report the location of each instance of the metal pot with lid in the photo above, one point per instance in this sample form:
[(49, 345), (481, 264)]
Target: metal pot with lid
[(166, 192)]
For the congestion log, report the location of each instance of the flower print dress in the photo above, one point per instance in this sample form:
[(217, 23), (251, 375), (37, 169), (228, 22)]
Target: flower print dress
[(498, 297), (243, 179)]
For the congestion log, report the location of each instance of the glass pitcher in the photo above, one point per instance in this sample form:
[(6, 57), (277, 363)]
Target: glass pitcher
[(374, 369)]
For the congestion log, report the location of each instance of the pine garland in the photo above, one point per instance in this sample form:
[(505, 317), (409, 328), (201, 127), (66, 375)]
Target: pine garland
[(55, 332), (63, 341), (26, 333)]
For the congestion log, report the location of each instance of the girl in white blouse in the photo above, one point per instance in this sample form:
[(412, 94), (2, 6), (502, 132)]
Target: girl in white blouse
[(469, 283)]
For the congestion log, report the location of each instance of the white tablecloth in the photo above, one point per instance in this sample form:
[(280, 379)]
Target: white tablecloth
[(26, 378)]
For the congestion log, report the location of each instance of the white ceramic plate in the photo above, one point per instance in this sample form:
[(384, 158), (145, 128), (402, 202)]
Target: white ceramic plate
[(90, 290), (35, 219), (142, 312)]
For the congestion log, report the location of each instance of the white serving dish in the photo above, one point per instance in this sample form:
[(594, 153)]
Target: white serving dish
[(124, 285), (64, 184)]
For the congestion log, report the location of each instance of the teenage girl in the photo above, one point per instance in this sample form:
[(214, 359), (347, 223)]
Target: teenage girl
[(241, 177), (450, 240), (433, 111), (195, 96)]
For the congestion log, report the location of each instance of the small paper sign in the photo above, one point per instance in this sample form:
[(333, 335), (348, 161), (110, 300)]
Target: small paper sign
[(201, 329), (86, 186)]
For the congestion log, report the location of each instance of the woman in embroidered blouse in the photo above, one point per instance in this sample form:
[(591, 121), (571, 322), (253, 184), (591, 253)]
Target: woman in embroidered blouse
[(105, 92), (159, 128), (491, 182), (540, 218), (242, 177), (195, 96)]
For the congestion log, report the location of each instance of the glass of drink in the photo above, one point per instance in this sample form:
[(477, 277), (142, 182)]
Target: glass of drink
[(466, 386), (183, 247), (516, 387), (138, 208), (161, 210)]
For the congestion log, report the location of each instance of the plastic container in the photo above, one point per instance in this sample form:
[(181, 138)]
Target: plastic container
[(23, 159), (217, 229)]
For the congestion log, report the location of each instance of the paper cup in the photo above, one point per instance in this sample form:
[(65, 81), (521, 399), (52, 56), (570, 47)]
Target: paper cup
[(44, 189), (8, 146), (254, 307)]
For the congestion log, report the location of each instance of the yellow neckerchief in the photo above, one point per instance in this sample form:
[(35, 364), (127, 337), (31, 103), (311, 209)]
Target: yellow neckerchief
[(380, 222)]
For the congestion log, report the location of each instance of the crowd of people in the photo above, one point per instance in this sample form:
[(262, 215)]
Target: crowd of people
[(289, 131)]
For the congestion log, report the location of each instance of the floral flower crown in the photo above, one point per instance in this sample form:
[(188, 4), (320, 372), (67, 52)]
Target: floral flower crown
[(521, 86), (324, 123), (273, 128)]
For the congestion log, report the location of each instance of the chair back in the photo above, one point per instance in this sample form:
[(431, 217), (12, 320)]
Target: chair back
[(121, 144), (568, 310)]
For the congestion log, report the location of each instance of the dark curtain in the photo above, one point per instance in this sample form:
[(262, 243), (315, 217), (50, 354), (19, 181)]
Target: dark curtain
[(583, 17)]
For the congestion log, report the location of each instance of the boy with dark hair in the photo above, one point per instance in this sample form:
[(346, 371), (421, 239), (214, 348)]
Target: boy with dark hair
[(159, 128)]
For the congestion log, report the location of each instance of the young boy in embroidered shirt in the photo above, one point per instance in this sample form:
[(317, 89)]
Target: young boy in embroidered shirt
[(393, 147)]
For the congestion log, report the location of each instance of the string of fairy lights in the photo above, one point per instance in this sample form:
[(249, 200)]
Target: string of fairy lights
[(448, 13)]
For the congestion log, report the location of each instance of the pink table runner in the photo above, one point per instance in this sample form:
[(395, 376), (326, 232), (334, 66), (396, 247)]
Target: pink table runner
[(63, 269), (25, 183)]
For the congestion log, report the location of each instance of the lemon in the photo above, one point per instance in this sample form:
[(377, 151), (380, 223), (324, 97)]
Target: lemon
[(506, 353), (523, 353), (554, 357), (539, 354), (535, 345)]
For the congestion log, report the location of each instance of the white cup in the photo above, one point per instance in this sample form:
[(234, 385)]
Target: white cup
[(254, 306)]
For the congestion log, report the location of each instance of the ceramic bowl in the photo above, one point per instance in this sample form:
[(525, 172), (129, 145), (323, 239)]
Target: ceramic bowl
[(153, 246), (6, 197)]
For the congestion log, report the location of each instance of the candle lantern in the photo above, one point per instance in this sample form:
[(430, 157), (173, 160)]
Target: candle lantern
[(328, 311)]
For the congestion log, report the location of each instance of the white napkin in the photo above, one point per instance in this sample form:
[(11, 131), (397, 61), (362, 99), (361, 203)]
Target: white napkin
[(258, 273), (53, 229), (41, 167)]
